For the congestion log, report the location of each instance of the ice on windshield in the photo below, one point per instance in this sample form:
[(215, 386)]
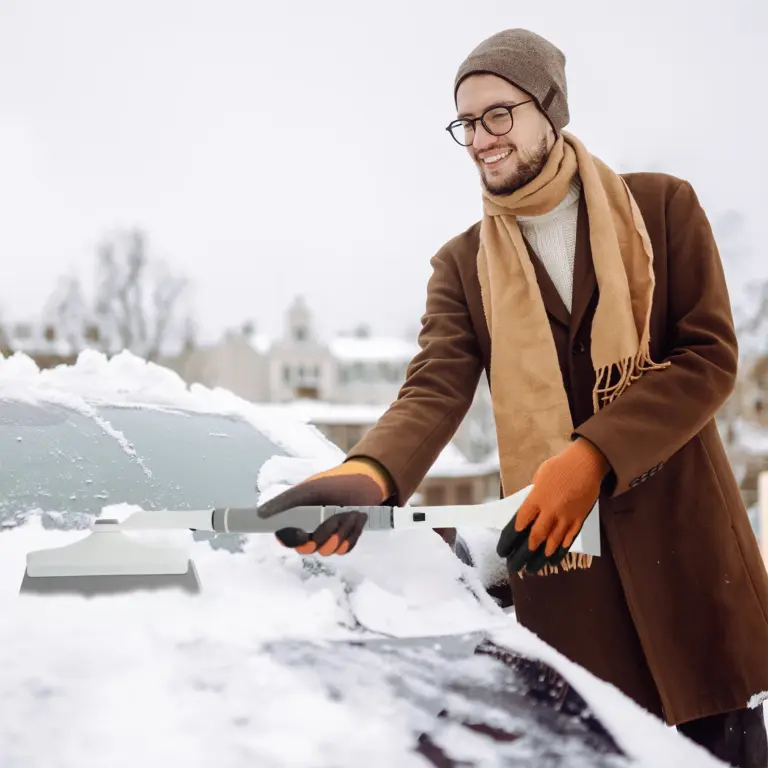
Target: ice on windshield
[(58, 459), (204, 460)]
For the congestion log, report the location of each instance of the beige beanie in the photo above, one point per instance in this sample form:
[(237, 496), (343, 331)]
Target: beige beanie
[(528, 61)]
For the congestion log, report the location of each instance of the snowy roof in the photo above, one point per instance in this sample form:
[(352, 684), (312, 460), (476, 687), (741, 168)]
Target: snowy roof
[(259, 342), (350, 349), (324, 413)]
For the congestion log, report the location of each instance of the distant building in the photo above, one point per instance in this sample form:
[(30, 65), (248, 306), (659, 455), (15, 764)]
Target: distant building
[(370, 369), (355, 368), (237, 362), (300, 365), (350, 368)]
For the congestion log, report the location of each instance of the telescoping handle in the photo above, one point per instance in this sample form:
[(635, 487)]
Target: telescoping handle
[(493, 514)]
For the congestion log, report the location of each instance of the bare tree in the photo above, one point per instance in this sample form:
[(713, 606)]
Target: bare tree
[(137, 302), (68, 308)]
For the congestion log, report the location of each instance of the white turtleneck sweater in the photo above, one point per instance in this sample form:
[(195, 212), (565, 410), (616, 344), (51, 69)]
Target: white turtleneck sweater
[(552, 236)]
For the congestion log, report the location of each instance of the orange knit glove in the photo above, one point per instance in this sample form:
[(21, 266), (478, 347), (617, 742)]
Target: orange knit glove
[(565, 488), (355, 482)]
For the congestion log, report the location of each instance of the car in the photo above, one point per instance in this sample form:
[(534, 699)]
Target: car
[(396, 654)]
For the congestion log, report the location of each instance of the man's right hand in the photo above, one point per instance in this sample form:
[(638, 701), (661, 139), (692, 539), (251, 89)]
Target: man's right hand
[(355, 482)]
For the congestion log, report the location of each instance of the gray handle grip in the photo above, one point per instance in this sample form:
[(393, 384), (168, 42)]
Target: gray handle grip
[(246, 520)]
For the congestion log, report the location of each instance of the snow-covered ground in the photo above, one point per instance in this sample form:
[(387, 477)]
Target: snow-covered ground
[(173, 679)]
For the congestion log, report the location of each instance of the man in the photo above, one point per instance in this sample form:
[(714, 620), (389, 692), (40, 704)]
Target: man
[(596, 305)]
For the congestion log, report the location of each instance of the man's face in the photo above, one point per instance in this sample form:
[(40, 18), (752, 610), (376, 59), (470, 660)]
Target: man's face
[(507, 162)]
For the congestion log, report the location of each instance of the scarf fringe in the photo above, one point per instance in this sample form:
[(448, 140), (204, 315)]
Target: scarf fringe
[(630, 370), (572, 561)]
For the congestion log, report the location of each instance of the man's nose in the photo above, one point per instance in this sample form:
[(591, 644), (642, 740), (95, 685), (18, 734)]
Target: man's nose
[(482, 139)]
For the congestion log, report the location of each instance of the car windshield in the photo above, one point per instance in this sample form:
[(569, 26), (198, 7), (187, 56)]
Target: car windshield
[(60, 459)]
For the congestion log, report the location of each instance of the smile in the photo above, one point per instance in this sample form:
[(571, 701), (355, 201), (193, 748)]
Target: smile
[(493, 159)]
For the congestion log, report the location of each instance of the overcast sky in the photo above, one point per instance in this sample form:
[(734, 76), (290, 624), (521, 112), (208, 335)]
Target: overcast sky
[(274, 148)]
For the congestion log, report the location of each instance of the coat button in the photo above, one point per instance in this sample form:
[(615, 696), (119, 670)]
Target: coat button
[(578, 348)]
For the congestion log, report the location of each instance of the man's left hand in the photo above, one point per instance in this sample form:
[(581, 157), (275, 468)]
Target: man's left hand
[(565, 488)]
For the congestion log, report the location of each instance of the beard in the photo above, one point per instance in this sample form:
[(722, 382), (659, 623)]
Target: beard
[(528, 168)]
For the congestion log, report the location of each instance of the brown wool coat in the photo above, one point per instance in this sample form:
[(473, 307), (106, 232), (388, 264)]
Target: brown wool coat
[(675, 610)]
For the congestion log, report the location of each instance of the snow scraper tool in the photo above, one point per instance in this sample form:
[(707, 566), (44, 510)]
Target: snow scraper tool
[(107, 561)]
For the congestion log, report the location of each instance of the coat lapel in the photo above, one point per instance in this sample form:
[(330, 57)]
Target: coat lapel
[(584, 280), (552, 301)]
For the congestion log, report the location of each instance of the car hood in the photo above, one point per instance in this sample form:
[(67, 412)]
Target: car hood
[(391, 655)]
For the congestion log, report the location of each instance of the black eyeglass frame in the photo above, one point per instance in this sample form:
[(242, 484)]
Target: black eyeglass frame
[(473, 121)]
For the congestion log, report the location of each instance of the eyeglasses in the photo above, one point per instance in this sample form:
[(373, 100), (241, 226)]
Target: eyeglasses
[(496, 120)]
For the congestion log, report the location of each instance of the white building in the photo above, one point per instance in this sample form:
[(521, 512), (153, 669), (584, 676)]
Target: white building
[(369, 370), (299, 364), (237, 362)]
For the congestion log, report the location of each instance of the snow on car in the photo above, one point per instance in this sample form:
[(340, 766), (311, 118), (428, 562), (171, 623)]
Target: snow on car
[(394, 655)]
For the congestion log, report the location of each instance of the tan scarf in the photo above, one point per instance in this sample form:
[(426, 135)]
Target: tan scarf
[(533, 419)]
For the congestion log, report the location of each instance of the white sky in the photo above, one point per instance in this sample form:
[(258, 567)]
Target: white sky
[(272, 148)]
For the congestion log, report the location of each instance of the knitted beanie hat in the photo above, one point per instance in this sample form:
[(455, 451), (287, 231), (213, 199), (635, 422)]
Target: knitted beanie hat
[(528, 61)]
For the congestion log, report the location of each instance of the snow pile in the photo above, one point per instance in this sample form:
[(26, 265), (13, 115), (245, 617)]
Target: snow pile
[(490, 568), (187, 680), (279, 473), (179, 680), (126, 379)]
